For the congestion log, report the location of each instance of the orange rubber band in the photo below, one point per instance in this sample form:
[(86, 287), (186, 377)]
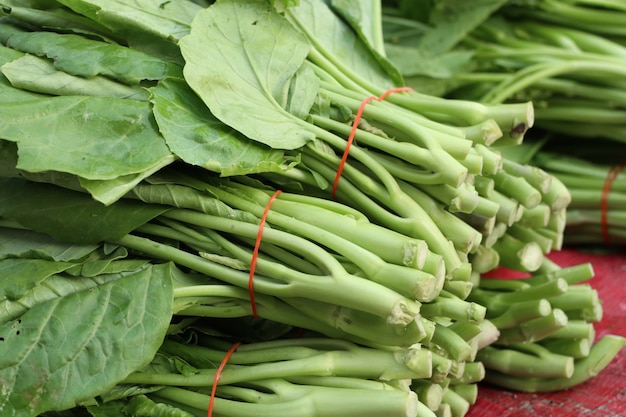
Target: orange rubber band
[(613, 173), (218, 374), (355, 125), (255, 253)]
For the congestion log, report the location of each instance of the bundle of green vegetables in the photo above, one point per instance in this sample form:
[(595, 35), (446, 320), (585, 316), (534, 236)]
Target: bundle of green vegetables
[(567, 57), (175, 184)]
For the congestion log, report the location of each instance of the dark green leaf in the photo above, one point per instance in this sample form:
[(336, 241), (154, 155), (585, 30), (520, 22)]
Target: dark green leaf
[(34, 245), (70, 215), (18, 276), (198, 138), (152, 26), (88, 58), (240, 58), (96, 138), (50, 360), (40, 75)]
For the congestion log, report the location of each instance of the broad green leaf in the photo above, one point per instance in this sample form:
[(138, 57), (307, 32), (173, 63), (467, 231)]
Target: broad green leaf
[(70, 215), (54, 18), (8, 157), (240, 58), (78, 55), (70, 349), (109, 191), (122, 391), (9, 54), (164, 19), (56, 286), (152, 26), (199, 138), (303, 92), (19, 275), (40, 76), (97, 138), (34, 245), (105, 191), (338, 42)]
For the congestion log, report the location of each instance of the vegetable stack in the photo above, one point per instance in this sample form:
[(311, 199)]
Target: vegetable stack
[(239, 206), (568, 57)]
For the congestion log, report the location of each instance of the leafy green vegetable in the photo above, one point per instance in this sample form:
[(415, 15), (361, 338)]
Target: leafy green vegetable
[(200, 139), (78, 55), (69, 216), (385, 269), (62, 123), (40, 76), (223, 66), (129, 311)]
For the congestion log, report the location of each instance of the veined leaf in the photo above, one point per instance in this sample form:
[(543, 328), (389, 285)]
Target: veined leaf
[(39, 75), (70, 349), (53, 18), (164, 19), (109, 191), (78, 55), (34, 245), (18, 275), (199, 138), (240, 58), (96, 138), (152, 26), (70, 215)]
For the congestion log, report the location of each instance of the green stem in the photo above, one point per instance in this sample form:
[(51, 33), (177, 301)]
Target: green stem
[(600, 356), (399, 310)]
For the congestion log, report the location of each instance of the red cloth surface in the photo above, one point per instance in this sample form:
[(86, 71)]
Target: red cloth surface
[(602, 396)]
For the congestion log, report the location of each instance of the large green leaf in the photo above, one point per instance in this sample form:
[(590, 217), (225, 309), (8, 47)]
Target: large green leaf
[(199, 138), (78, 55), (109, 191), (152, 26), (28, 244), (39, 75), (53, 18), (70, 349), (18, 275), (163, 19), (70, 215), (96, 138), (240, 58)]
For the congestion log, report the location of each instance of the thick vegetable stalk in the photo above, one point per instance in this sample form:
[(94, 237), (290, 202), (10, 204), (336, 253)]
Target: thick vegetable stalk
[(594, 177), (546, 329), (439, 345), (298, 376), (382, 251)]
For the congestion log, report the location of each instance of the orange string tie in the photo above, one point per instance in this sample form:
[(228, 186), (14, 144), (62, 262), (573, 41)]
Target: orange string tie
[(612, 174), (218, 374), (255, 253), (355, 125)]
